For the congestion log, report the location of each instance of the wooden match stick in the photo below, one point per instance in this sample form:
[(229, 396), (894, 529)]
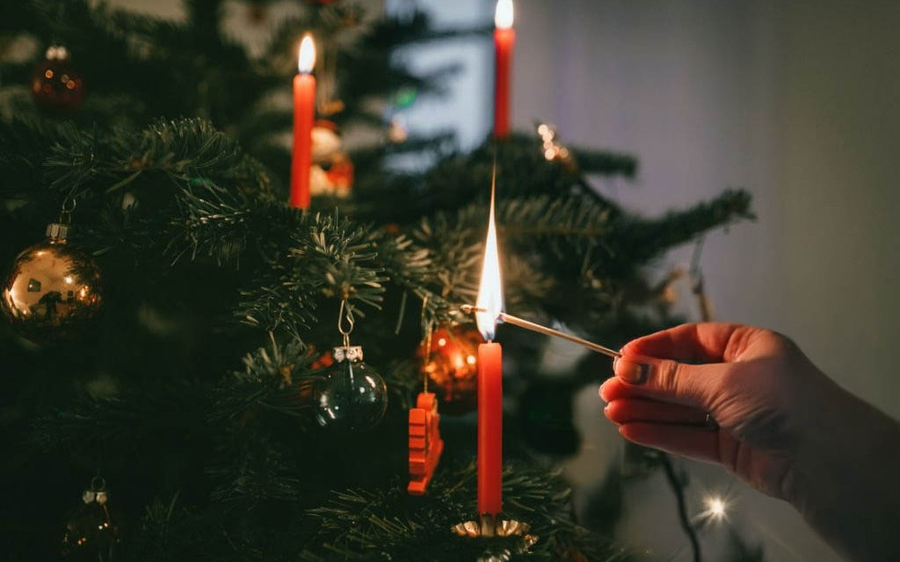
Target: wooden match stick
[(516, 321)]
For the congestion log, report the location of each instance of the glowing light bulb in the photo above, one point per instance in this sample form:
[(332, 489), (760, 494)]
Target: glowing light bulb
[(716, 508)]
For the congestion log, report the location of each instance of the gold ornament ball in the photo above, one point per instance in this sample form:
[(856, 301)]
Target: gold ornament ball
[(451, 365), (52, 291)]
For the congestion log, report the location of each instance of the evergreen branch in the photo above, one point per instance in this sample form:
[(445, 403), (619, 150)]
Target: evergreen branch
[(638, 241), (355, 522), (605, 163)]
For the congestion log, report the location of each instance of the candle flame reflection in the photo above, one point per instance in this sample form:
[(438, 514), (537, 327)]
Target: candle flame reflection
[(490, 291), (503, 15), (307, 58)]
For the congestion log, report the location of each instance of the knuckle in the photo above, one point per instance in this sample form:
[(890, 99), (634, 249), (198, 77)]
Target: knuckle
[(667, 372)]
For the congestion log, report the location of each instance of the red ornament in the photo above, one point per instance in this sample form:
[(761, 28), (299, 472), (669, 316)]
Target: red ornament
[(55, 85), (322, 361), (332, 172), (452, 367), (425, 443)]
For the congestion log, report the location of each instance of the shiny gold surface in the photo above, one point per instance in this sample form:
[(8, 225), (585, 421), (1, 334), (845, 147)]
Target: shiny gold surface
[(490, 526), (51, 291)]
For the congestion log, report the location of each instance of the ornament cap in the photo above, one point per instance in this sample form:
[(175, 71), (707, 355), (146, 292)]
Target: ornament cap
[(57, 232), (57, 52), (352, 353)]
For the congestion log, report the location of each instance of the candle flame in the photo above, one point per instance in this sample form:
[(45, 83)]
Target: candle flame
[(503, 15), (489, 304), (307, 58)]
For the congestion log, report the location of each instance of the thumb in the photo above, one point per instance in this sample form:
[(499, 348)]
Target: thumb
[(671, 381)]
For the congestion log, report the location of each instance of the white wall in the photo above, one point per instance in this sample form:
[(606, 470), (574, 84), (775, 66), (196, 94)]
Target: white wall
[(799, 102)]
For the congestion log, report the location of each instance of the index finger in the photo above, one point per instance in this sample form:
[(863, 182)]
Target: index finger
[(709, 342)]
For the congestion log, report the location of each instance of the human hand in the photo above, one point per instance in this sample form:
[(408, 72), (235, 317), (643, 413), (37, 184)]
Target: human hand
[(763, 393), (782, 426)]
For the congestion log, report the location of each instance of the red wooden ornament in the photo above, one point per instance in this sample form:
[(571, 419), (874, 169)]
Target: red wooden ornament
[(425, 443)]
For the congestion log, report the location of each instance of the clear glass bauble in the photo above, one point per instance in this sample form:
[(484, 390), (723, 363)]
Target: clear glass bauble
[(351, 396)]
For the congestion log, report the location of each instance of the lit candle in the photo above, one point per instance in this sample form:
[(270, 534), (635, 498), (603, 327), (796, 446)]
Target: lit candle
[(504, 38), (490, 379), (304, 110)]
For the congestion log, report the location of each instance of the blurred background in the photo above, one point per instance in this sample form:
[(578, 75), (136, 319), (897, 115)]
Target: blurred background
[(798, 102)]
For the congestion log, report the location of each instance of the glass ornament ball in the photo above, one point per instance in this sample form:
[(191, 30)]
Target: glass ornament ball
[(91, 534), (52, 292), (351, 396), (56, 86)]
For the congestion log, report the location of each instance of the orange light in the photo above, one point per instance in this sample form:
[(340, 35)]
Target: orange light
[(503, 15), (307, 59)]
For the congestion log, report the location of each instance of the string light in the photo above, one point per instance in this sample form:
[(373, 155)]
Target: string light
[(716, 509), (552, 149)]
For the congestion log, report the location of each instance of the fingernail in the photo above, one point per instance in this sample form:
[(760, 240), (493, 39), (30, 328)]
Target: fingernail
[(632, 372), (602, 386)]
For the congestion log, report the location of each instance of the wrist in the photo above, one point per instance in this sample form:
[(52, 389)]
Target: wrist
[(845, 472)]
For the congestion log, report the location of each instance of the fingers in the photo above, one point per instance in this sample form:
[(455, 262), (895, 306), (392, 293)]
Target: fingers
[(692, 442), (629, 410), (614, 389), (670, 381), (710, 342)]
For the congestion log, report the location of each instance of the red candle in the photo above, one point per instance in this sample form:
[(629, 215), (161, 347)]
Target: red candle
[(490, 378), (304, 112), (490, 428), (504, 38)]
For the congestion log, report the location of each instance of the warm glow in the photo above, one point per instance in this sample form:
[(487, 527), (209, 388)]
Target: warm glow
[(503, 16), (716, 508), (471, 360), (490, 291), (442, 342), (307, 59)]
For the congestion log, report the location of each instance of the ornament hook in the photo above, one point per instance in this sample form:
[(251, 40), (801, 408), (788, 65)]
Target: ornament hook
[(346, 313), (65, 212), (98, 484)]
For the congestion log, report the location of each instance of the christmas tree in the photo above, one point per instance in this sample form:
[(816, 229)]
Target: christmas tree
[(168, 348)]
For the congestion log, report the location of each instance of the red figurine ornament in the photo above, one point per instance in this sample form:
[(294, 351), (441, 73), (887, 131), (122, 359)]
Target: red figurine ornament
[(425, 443)]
